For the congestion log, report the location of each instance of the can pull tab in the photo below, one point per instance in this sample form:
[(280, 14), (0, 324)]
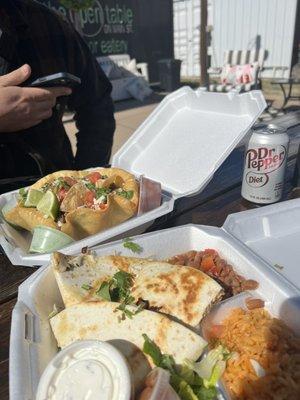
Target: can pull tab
[(273, 128)]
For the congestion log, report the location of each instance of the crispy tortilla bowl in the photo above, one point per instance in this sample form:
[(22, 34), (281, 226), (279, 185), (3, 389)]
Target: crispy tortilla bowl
[(80, 220)]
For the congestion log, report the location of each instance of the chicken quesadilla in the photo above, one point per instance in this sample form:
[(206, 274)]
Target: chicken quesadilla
[(101, 321), (179, 291)]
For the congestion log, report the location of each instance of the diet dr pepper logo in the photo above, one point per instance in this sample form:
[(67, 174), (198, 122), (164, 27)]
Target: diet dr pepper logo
[(261, 162)]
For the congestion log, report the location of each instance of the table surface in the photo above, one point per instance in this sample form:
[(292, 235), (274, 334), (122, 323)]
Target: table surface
[(279, 81), (221, 198)]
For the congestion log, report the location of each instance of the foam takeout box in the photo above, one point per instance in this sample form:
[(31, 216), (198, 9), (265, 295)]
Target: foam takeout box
[(32, 344), (181, 145)]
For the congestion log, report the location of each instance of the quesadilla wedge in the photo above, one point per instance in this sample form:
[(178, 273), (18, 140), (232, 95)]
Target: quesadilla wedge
[(102, 321), (83, 202), (182, 292)]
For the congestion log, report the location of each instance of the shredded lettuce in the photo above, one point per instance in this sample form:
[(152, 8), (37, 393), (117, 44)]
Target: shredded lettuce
[(205, 368), (204, 393), (191, 380)]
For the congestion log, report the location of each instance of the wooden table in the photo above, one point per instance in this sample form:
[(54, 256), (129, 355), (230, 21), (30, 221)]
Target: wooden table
[(287, 94), (221, 198)]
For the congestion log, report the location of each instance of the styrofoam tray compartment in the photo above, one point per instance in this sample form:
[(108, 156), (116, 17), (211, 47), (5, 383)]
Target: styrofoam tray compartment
[(181, 145), (273, 232), (16, 242), (32, 344)]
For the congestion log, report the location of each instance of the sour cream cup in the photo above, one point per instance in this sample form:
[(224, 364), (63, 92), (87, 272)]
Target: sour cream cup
[(87, 369)]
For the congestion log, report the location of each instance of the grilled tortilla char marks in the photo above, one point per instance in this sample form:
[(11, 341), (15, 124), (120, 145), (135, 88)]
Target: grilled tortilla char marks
[(100, 320), (121, 263), (191, 283), (183, 292)]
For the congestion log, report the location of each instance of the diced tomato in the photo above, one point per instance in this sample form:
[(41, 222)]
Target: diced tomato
[(214, 270), (61, 194), (89, 198), (215, 331), (211, 252), (102, 206), (207, 263), (93, 177)]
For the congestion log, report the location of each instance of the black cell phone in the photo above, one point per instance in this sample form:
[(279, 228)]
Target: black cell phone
[(59, 79)]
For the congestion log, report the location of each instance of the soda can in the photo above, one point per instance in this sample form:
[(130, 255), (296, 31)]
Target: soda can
[(265, 162)]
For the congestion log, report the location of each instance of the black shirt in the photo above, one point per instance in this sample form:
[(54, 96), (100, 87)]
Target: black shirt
[(40, 37)]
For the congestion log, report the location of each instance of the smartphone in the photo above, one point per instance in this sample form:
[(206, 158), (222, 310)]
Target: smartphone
[(59, 79)]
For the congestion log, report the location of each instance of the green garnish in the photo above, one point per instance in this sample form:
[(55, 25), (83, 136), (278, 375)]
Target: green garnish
[(102, 192), (45, 187), (103, 291), (127, 194), (118, 289), (128, 243), (160, 360), (185, 379), (104, 176), (23, 195), (85, 286), (60, 183), (90, 186)]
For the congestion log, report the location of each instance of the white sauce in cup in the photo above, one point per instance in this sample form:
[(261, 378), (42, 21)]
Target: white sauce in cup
[(86, 370)]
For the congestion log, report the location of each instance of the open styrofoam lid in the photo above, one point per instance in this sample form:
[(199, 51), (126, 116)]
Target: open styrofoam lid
[(188, 136), (272, 232)]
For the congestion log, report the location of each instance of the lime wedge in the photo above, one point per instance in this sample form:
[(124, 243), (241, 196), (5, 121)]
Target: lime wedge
[(49, 205), (47, 240), (33, 198)]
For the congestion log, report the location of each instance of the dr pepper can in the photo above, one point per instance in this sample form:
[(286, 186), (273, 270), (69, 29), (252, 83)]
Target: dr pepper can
[(265, 163)]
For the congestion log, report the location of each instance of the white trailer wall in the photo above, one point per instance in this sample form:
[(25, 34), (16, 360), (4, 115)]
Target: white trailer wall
[(236, 25)]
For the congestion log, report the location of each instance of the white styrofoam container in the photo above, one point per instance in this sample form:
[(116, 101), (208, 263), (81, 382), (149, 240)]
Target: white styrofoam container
[(272, 232), (181, 145), (32, 344)]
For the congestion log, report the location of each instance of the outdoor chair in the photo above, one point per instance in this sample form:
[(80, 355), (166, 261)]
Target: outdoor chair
[(238, 58), (121, 71)]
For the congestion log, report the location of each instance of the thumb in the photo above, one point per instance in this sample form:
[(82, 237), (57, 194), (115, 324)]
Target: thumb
[(16, 77)]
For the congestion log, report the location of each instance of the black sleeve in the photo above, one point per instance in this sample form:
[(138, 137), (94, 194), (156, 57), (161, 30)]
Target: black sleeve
[(93, 106)]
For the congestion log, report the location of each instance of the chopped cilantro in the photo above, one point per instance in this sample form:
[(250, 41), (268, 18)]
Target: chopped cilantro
[(118, 289), (123, 280), (102, 192), (60, 183), (45, 187), (103, 291), (127, 194), (85, 286), (90, 186), (128, 243)]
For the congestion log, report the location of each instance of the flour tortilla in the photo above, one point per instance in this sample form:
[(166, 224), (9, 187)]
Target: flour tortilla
[(101, 321), (182, 292)]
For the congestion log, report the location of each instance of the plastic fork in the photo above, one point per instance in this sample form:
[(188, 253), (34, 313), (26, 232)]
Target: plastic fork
[(150, 195)]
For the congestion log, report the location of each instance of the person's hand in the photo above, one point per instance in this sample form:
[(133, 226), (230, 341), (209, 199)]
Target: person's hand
[(24, 107)]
